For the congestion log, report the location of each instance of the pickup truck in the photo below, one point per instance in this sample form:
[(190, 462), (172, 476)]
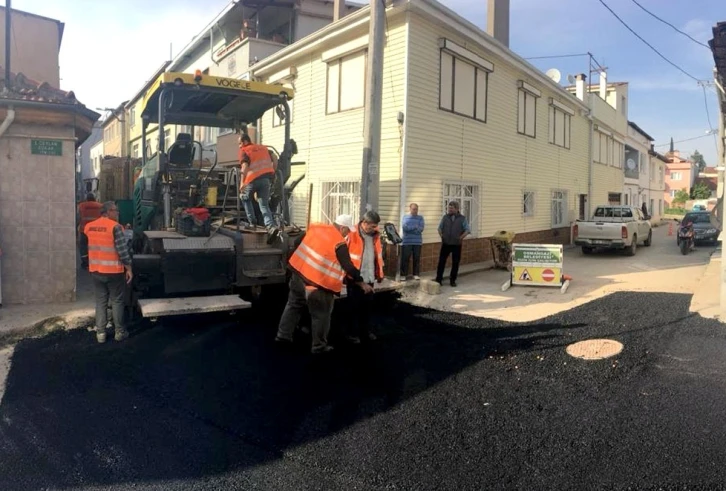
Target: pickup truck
[(613, 227)]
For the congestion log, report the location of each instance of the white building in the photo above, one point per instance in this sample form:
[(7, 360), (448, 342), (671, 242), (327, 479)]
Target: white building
[(96, 157)]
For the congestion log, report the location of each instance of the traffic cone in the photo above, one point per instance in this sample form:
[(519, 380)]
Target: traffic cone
[(670, 228)]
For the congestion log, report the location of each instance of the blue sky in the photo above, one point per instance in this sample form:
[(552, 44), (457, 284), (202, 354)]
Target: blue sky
[(110, 48)]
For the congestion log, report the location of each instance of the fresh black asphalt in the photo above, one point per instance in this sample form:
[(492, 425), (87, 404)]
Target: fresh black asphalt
[(440, 401)]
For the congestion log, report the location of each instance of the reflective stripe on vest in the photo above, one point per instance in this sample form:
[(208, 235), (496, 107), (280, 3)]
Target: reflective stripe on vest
[(355, 246), (315, 257), (260, 162), (102, 254)]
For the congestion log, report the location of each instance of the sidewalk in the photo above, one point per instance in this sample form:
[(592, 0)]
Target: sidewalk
[(21, 321), (707, 298)]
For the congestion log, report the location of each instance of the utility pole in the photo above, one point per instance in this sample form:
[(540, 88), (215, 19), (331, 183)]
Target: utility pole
[(8, 27), (370, 178)]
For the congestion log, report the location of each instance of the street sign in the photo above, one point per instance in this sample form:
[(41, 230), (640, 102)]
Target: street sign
[(46, 147), (537, 264)]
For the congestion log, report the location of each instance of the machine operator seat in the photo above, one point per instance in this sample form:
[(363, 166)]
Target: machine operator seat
[(181, 153)]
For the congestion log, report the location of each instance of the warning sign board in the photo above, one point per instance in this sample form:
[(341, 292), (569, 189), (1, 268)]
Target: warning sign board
[(525, 276), (537, 264)]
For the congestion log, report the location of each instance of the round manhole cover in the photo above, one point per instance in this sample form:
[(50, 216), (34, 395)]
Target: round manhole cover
[(595, 349)]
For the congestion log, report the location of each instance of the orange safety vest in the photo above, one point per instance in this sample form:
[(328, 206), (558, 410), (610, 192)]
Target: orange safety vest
[(355, 246), (315, 259), (260, 161), (102, 255), (89, 211)]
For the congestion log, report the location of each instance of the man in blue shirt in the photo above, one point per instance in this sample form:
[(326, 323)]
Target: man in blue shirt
[(452, 229), (413, 226)]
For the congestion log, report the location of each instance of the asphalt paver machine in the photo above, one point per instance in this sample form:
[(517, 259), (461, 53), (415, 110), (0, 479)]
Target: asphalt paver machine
[(180, 268)]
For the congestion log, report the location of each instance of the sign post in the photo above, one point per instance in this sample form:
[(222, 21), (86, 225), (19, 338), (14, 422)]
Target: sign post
[(538, 265)]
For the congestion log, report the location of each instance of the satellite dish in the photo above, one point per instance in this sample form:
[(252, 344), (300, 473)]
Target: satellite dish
[(554, 74), (571, 79)]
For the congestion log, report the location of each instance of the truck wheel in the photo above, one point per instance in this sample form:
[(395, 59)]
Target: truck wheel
[(649, 240), (630, 251), (586, 250)]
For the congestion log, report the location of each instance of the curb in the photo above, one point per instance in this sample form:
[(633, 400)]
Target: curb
[(44, 327)]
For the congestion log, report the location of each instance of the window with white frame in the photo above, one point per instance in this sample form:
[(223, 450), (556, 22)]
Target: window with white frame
[(560, 117), (135, 151), (467, 195), (276, 121), (676, 176), (463, 81), (339, 197), (527, 109), (528, 203), (346, 83), (673, 193), (652, 171), (618, 156), (132, 117), (559, 208)]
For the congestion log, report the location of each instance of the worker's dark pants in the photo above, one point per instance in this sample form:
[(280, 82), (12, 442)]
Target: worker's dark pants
[(361, 303), (320, 305), (109, 288), (455, 251), (406, 252)]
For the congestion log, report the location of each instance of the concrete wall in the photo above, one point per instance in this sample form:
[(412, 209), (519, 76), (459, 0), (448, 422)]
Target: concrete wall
[(35, 46), (37, 218), (87, 171)]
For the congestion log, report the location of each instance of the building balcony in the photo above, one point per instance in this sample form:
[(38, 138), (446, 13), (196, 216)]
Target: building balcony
[(235, 59)]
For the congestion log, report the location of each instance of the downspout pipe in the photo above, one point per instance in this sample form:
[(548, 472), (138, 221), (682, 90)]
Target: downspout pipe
[(9, 118)]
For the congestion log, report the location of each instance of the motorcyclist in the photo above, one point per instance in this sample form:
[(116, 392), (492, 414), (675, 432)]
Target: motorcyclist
[(687, 223)]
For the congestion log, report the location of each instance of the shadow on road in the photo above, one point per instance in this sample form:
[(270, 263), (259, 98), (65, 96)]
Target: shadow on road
[(205, 395)]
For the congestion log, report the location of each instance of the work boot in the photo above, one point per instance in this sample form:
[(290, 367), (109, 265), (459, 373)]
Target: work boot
[(324, 349), (273, 233), (101, 337), (121, 335), (353, 339)]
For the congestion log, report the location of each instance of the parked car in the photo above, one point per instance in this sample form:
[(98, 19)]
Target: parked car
[(704, 228), (613, 227), (699, 208)]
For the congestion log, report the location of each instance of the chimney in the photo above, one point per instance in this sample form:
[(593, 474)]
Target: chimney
[(498, 20), (338, 9), (580, 86), (603, 85)]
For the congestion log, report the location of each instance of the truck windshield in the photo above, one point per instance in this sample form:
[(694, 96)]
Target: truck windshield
[(611, 212)]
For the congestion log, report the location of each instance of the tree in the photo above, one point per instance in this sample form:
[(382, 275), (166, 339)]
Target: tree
[(697, 158), (681, 197), (700, 191)]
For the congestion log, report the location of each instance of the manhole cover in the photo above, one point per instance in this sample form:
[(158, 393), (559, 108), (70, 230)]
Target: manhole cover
[(595, 349)]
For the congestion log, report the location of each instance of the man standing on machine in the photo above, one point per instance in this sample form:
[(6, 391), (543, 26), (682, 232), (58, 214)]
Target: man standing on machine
[(258, 167)]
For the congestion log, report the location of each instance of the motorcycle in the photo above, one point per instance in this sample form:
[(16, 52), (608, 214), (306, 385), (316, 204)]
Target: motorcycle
[(686, 238)]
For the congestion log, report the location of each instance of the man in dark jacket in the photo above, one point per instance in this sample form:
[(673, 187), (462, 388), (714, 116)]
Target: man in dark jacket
[(452, 229)]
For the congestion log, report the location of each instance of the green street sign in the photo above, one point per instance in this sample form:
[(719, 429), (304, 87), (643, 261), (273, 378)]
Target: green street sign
[(537, 254), (46, 147)]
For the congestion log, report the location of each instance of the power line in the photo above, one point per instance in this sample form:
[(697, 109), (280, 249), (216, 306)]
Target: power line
[(556, 56), (647, 43), (708, 115), (688, 139), (671, 25)]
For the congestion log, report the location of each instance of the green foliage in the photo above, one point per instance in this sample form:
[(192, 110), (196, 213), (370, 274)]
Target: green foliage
[(681, 197), (700, 191), (697, 158), (675, 211)]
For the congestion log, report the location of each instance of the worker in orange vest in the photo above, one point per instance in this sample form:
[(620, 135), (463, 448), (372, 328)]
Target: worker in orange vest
[(258, 167), (88, 211), (109, 263), (366, 252), (318, 266)]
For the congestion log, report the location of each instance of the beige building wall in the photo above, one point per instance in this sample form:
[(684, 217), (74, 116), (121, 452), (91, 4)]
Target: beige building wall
[(35, 46), (113, 137), (331, 143), (37, 217), (502, 166)]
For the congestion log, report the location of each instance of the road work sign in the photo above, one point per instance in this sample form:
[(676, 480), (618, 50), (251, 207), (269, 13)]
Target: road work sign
[(537, 264)]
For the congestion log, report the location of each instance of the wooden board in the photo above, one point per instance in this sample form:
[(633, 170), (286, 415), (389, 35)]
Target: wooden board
[(385, 286), (160, 307), (163, 234)]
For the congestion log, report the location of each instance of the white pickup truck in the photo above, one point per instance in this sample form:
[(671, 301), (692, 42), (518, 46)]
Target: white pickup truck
[(613, 227)]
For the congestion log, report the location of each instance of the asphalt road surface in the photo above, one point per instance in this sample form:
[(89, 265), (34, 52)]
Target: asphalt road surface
[(441, 401)]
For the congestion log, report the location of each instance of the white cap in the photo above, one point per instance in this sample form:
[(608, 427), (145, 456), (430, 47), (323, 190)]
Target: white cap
[(345, 221)]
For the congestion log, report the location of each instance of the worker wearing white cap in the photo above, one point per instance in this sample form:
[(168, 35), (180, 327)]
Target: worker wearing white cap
[(320, 262)]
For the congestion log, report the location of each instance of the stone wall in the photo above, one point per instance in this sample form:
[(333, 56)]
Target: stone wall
[(475, 250), (37, 217)]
